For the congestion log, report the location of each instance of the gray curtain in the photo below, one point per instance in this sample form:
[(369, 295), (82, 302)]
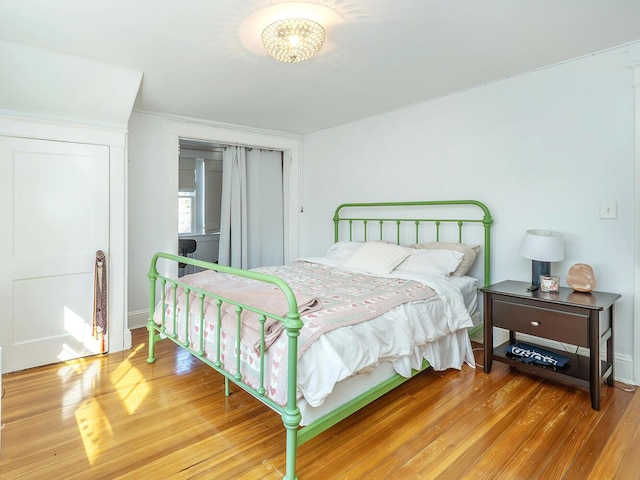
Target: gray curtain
[(233, 211), (252, 208)]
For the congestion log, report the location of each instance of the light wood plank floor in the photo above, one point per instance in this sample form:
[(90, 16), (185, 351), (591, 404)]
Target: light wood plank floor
[(116, 417)]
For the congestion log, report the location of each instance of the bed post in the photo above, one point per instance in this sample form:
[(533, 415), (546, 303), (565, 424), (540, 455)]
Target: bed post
[(487, 221), (291, 416), (153, 275)]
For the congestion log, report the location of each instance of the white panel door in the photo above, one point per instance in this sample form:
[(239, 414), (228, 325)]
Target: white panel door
[(54, 214)]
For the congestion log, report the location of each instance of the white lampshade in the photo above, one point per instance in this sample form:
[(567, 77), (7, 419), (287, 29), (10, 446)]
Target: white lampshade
[(542, 245)]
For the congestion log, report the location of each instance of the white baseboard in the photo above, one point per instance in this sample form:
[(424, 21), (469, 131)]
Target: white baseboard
[(623, 366), (126, 343), (137, 319)]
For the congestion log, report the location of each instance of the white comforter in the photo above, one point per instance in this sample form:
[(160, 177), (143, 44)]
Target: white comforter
[(402, 335)]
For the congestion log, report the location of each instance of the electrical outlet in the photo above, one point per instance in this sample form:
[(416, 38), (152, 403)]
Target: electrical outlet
[(609, 209)]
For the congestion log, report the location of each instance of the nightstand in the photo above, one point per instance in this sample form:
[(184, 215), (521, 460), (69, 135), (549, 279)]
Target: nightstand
[(570, 317)]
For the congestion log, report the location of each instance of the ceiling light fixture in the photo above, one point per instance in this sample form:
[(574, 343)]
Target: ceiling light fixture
[(293, 40)]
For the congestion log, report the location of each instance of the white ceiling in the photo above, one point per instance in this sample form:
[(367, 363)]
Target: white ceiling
[(203, 59)]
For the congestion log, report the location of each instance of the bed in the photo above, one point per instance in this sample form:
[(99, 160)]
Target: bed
[(320, 338)]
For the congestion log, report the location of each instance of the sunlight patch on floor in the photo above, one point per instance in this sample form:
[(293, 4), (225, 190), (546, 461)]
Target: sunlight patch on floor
[(75, 365), (130, 384), (94, 427), (79, 378)]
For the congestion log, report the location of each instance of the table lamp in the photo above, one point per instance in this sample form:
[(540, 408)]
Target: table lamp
[(542, 247)]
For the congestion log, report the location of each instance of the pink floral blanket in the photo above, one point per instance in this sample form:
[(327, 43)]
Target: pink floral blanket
[(334, 298), (346, 298)]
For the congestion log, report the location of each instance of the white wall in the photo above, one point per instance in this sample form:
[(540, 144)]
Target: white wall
[(51, 85), (541, 150), (153, 190), (148, 221)]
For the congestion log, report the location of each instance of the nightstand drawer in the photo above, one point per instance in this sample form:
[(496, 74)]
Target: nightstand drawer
[(563, 326)]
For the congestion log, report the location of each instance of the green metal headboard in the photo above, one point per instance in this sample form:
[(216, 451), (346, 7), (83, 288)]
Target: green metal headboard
[(347, 215)]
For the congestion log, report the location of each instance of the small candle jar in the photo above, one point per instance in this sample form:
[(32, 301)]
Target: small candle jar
[(549, 283)]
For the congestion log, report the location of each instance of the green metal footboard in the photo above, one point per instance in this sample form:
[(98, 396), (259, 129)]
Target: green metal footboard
[(292, 324)]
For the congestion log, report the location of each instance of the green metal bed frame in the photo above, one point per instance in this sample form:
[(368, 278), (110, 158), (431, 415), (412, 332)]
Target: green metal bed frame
[(358, 228)]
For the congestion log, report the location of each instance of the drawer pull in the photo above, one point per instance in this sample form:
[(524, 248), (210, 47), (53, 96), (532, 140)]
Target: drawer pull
[(535, 324)]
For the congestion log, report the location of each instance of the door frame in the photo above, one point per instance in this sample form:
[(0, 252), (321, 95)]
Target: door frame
[(119, 335), (636, 241), (290, 145)]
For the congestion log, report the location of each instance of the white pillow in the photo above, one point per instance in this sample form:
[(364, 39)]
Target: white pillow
[(439, 263), (470, 253), (342, 251), (377, 258)]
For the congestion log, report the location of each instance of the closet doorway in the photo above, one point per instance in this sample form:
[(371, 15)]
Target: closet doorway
[(230, 204)]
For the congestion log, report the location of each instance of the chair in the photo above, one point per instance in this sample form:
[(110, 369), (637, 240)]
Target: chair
[(186, 247)]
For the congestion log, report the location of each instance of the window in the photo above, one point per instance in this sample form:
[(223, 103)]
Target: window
[(187, 196), (199, 193), (186, 212)]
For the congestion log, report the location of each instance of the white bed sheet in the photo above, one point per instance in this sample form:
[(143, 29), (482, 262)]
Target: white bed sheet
[(448, 350)]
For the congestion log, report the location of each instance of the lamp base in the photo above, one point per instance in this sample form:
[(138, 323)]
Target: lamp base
[(538, 268)]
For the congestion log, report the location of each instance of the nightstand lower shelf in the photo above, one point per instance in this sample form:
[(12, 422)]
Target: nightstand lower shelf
[(575, 373)]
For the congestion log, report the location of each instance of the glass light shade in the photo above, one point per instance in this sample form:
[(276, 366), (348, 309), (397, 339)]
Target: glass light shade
[(293, 40), (542, 245)]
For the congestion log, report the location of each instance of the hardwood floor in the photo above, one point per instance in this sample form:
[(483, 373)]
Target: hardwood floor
[(116, 417)]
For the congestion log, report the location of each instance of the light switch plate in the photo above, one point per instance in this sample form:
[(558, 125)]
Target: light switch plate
[(609, 209)]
